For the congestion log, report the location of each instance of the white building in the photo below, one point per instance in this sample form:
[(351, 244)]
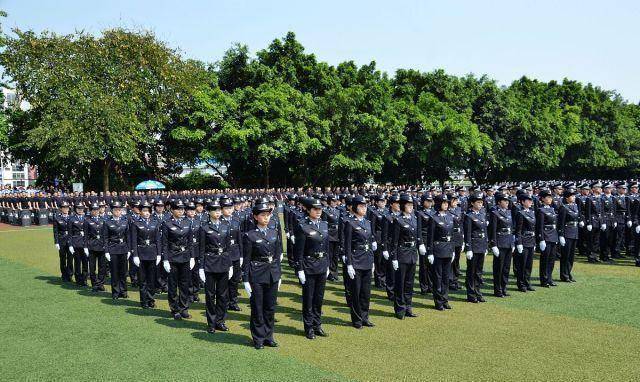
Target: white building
[(12, 172)]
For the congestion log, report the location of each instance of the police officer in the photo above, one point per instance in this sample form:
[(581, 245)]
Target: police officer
[(608, 224), (387, 238), (310, 256), (94, 247), (359, 246), (424, 215), (178, 259), (262, 252), (569, 221), (525, 221), (145, 246), (61, 239), (597, 220), (501, 242), (235, 251), (216, 267), (404, 256), (191, 216), (377, 215), (623, 220), (547, 234), (458, 240), (331, 215), (115, 231), (76, 245), (161, 215), (476, 242), (440, 253)]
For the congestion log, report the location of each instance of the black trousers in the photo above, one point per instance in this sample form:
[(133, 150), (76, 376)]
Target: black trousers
[(584, 247), (594, 242), (178, 287), (196, 283), (525, 264), (607, 243), (312, 297), (501, 266), (216, 296), (455, 267), (346, 281), (161, 279), (566, 259), (232, 285), (263, 307), (440, 270), (424, 274), (66, 263), (333, 258), (390, 278), (621, 242), (547, 262), (403, 288), (118, 266), (97, 260), (360, 296), (147, 281), (474, 275), (80, 266), (379, 276), (133, 271)]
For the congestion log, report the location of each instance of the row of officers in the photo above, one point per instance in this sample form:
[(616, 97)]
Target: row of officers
[(387, 239)]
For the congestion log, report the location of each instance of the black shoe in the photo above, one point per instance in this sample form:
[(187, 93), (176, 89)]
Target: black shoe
[(320, 332), (522, 289), (439, 307), (211, 330), (222, 326), (531, 289), (552, 283), (565, 280), (185, 314), (258, 346), (410, 314), (545, 285), (368, 324), (235, 308), (115, 297), (505, 294), (498, 295), (572, 280), (144, 306), (472, 299), (357, 326), (310, 335), (399, 316), (447, 306), (177, 316), (124, 295), (196, 299), (152, 304), (481, 299), (271, 343)]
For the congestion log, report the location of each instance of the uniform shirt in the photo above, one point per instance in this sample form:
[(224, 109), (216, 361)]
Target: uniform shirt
[(311, 246), (501, 228), (546, 219), (93, 239), (261, 253), (177, 240), (116, 235), (440, 235), (61, 228), (405, 239), (526, 228), (568, 220), (214, 243), (475, 231), (145, 238), (358, 237)]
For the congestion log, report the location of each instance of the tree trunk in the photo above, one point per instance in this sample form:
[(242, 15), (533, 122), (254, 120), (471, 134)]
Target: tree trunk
[(106, 168)]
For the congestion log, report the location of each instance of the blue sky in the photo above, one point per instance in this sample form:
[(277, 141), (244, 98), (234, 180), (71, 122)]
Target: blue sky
[(589, 41)]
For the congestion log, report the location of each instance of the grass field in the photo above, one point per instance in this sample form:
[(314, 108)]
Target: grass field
[(589, 330)]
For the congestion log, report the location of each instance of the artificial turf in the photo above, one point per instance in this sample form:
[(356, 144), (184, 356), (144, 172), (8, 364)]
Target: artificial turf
[(589, 330)]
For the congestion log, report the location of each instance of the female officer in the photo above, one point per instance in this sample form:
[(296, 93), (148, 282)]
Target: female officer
[(568, 221), (502, 243), (310, 256), (359, 244), (94, 247), (116, 242), (145, 245), (475, 237), (216, 267), (547, 235), (441, 250), (404, 255), (261, 273), (61, 238), (525, 242), (457, 239)]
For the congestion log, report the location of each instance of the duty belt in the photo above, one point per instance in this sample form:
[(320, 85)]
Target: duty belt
[(263, 259), (549, 226), (444, 239), (408, 244), (333, 226), (528, 233), (479, 235), (215, 252), (363, 246), (571, 224), (181, 248), (316, 255), (504, 230), (456, 230), (146, 243)]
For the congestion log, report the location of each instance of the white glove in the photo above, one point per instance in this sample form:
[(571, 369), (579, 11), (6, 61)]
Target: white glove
[(430, 258), (344, 259), (158, 259), (57, 246), (247, 288), (230, 272), (328, 271), (638, 229), (581, 224), (603, 227), (394, 264), (288, 235), (589, 227), (542, 245), (241, 261), (422, 249), (281, 256), (385, 254), (615, 224), (462, 248), (351, 272), (167, 266), (128, 255), (496, 251), (107, 256), (373, 268), (72, 250), (520, 248), (562, 241), (136, 261), (469, 255), (302, 277), (293, 239), (453, 256), (629, 223), (279, 283), (192, 263), (374, 245), (201, 274), (86, 252)]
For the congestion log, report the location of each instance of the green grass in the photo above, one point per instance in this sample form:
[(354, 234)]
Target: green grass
[(589, 330)]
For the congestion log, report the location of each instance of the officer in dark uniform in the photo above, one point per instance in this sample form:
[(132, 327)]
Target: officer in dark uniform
[(547, 234), (387, 237), (476, 243), (440, 253), (191, 216), (359, 246), (501, 242), (584, 231), (404, 256), (61, 239), (525, 232), (310, 256), (145, 246), (597, 219), (376, 215), (216, 267), (262, 252), (608, 225), (94, 247), (346, 215), (134, 204), (161, 215), (569, 221), (623, 220), (235, 251), (424, 215), (115, 231), (457, 239), (76, 245), (332, 216), (178, 259)]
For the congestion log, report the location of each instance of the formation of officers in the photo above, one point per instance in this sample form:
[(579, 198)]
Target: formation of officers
[(211, 242)]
